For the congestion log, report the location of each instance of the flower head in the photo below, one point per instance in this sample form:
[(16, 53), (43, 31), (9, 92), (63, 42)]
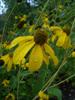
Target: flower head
[(5, 83), (21, 23), (63, 40), (39, 50), (43, 96), (10, 96), (7, 60)]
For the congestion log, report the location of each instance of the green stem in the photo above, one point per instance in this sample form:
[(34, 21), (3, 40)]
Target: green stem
[(53, 77), (18, 83), (7, 21), (49, 82), (63, 81), (25, 76), (42, 11), (73, 25)]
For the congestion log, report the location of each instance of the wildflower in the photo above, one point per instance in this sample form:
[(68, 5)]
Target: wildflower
[(23, 18), (38, 45), (63, 40), (44, 18), (5, 83), (22, 23), (73, 53), (10, 96), (7, 60), (45, 22), (43, 96)]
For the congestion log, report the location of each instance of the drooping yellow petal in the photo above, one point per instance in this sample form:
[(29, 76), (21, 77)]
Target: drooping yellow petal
[(53, 38), (58, 33), (67, 43), (19, 40), (50, 51), (36, 58), (5, 58), (9, 65), (45, 58), (8, 61), (61, 40), (21, 52), (54, 28)]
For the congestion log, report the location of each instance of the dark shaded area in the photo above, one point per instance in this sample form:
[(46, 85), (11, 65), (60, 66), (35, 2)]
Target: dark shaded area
[(68, 91), (1, 62)]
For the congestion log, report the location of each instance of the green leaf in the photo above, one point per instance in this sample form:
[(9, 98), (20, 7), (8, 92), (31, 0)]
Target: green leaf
[(24, 73), (72, 34), (55, 92)]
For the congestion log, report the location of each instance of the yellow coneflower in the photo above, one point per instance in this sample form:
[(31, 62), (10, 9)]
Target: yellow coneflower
[(38, 45), (43, 96), (5, 83), (10, 96), (63, 40), (7, 60)]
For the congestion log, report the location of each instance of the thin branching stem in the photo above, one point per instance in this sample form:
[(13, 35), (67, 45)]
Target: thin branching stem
[(7, 21), (70, 77)]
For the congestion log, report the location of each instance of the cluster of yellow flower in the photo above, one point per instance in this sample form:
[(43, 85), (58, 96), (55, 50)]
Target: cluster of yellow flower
[(43, 96), (21, 23), (37, 44), (63, 40), (35, 49)]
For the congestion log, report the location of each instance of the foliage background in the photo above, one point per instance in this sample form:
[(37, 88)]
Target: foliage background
[(60, 12)]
